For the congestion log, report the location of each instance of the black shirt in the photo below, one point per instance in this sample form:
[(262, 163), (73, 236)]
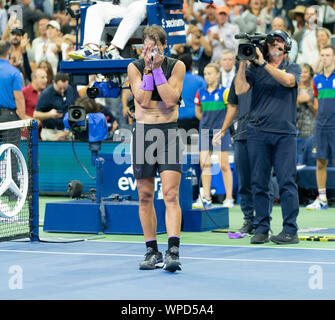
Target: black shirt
[(273, 106), (50, 99), (243, 101), (167, 67)]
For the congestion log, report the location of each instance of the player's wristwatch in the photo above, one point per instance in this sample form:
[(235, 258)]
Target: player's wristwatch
[(147, 71)]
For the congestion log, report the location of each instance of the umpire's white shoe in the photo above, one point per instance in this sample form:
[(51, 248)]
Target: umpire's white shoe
[(90, 51)]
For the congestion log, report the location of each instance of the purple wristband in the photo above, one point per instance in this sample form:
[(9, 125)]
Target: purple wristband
[(147, 83), (159, 76)]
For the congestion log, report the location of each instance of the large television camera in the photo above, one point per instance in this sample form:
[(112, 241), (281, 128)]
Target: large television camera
[(91, 127), (104, 89), (247, 50)]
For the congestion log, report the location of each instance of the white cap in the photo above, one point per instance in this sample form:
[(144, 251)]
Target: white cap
[(54, 24)]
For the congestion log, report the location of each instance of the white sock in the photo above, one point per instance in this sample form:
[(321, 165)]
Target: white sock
[(322, 194)]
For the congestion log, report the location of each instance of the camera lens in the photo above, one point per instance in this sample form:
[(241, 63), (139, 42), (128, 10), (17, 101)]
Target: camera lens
[(247, 51), (76, 114), (92, 92)]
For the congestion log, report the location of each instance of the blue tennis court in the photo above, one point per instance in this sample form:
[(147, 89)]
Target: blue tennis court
[(109, 270)]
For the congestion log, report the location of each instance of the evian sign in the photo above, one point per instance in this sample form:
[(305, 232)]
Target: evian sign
[(127, 181)]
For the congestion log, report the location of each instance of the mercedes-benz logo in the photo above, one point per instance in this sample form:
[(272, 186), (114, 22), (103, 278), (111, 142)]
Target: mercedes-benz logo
[(9, 209)]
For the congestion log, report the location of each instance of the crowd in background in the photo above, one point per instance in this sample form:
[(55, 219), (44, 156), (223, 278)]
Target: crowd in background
[(45, 34)]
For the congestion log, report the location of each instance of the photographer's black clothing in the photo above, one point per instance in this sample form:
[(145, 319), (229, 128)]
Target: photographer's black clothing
[(243, 101), (271, 103), (167, 67), (271, 141), (49, 99)]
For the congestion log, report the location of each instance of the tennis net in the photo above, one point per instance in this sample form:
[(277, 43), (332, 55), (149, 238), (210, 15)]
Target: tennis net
[(19, 213)]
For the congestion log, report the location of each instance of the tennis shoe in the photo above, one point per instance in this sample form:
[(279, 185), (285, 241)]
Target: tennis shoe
[(318, 205), (153, 259), (228, 203), (202, 203), (172, 263), (89, 52)]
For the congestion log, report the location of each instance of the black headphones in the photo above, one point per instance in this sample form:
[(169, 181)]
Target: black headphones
[(284, 35)]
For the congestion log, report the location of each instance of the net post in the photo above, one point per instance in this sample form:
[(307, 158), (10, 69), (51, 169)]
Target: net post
[(35, 196)]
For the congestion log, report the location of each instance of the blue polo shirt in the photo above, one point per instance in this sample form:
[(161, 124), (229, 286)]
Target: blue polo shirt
[(273, 106), (213, 107), (50, 99), (191, 85), (243, 101), (324, 90), (10, 80)]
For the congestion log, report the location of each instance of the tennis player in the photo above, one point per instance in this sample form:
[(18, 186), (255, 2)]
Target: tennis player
[(156, 82)]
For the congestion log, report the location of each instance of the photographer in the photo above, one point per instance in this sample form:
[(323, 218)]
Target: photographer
[(51, 106), (271, 133)]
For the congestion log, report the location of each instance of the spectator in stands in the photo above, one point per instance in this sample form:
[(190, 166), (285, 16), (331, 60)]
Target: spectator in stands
[(280, 23), (100, 14), (199, 48), (13, 22), (211, 111), (41, 39), (208, 20), (256, 18), (235, 9), (44, 6), (44, 64), (326, 14), (222, 35), (306, 38), (30, 16), (324, 133), (192, 83), (69, 24), (18, 54), (33, 90), (297, 16), (3, 18), (227, 67), (323, 38), (51, 50), (305, 105), (51, 106)]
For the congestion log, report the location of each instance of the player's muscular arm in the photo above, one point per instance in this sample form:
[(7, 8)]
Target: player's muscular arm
[(171, 90), (142, 97)]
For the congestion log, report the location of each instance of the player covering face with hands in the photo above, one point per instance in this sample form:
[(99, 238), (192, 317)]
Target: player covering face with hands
[(156, 82)]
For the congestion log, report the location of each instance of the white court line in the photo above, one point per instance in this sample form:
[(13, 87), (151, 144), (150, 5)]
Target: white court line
[(222, 245), (182, 258)]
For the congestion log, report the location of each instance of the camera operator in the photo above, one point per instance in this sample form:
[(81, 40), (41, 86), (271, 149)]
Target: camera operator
[(51, 106), (271, 133)]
